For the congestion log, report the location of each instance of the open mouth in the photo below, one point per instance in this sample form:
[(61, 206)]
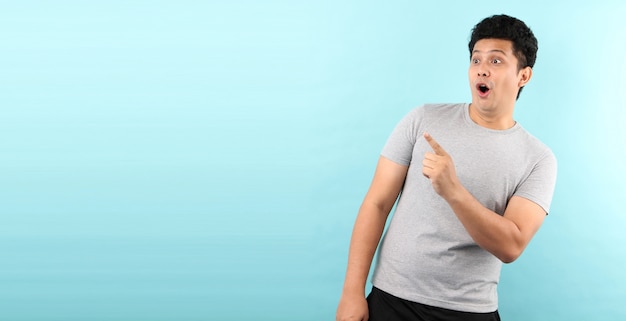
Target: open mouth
[(483, 89)]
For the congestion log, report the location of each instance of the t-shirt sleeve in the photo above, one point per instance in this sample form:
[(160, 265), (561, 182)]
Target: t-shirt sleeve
[(399, 145), (539, 185)]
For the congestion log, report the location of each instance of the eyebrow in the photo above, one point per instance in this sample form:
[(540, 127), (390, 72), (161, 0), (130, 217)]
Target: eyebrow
[(490, 51)]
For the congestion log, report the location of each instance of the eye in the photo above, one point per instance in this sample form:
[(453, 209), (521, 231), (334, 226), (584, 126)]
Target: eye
[(475, 61), (496, 61)]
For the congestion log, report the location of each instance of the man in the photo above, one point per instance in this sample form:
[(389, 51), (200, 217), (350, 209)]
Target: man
[(473, 186)]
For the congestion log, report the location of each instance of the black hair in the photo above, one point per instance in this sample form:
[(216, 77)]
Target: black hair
[(508, 28)]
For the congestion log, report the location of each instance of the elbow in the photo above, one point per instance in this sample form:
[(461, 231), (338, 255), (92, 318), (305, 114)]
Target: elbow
[(508, 259), (509, 256), (509, 251)]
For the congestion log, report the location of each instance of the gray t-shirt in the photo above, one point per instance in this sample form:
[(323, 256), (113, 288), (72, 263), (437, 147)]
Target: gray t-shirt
[(426, 255)]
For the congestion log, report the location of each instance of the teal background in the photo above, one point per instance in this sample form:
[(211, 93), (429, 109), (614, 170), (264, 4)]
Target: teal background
[(190, 160)]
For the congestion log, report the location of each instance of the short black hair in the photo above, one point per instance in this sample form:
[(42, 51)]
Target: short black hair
[(508, 28)]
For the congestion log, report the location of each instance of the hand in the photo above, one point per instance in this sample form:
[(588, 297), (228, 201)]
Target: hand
[(439, 169), (352, 308)]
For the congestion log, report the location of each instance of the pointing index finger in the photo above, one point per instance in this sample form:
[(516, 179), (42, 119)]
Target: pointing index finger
[(434, 145)]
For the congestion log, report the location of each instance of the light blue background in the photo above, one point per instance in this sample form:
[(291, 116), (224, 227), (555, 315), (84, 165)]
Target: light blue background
[(189, 160)]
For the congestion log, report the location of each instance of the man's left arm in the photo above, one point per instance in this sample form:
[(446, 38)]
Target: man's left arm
[(504, 236)]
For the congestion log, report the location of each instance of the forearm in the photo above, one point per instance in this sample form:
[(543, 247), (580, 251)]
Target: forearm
[(370, 223), (366, 235), (491, 231), (504, 236)]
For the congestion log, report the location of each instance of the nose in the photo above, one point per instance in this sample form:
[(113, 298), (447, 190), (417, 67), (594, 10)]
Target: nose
[(483, 71)]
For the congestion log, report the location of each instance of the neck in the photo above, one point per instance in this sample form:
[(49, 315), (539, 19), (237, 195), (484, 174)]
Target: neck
[(492, 119)]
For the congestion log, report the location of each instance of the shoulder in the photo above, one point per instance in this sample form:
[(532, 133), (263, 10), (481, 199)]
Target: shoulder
[(534, 146), (427, 114), (443, 107), (438, 111)]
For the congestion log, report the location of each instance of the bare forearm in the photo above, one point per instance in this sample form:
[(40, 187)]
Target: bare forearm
[(366, 235), (491, 231), (504, 236)]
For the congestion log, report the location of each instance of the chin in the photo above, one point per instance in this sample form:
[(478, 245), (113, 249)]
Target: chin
[(484, 105)]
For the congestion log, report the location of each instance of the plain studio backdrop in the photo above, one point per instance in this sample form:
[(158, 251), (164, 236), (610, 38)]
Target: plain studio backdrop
[(193, 160)]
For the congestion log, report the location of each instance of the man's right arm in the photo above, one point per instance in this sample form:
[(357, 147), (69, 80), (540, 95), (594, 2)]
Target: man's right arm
[(368, 228)]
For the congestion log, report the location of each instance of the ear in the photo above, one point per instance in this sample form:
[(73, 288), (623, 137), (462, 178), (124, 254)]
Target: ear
[(524, 76)]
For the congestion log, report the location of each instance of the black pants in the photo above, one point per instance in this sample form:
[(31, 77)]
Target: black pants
[(386, 307)]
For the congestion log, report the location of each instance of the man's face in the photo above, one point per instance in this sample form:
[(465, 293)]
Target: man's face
[(493, 75)]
